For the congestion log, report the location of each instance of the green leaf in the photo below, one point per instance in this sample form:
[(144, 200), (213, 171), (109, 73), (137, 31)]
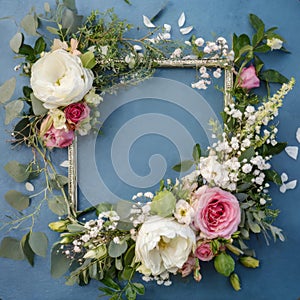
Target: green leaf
[(22, 129), (247, 154), (88, 60), (11, 248), (38, 242), (258, 64), (37, 106), (27, 50), (76, 228), (13, 110), (116, 250), (196, 152), (39, 45), (273, 76), (139, 288), (163, 204), (102, 207), (224, 264), (60, 264), (127, 273), (29, 254), (58, 205), (30, 24), (129, 255), (130, 293), (258, 36), (256, 22), (123, 209), (17, 171), (273, 150), (245, 49), (109, 292), (17, 200), (16, 42), (7, 89), (108, 281), (183, 166), (273, 176), (53, 30), (262, 48)]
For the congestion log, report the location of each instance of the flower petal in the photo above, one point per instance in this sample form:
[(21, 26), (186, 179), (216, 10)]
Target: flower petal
[(292, 151), (181, 20), (147, 22), (186, 30), (282, 188), (29, 187), (284, 177), (167, 27), (298, 135), (291, 185), (65, 164)]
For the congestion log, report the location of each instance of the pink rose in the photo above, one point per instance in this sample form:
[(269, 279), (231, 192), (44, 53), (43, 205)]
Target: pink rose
[(217, 212), (204, 251), (248, 78), (52, 137), (77, 112)]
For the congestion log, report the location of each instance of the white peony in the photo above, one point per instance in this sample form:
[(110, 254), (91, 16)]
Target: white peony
[(162, 245), (59, 79)]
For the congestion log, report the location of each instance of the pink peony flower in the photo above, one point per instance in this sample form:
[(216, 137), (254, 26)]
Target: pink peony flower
[(204, 251), (248, 78), (217, 212), (76, 112), (52, 137)]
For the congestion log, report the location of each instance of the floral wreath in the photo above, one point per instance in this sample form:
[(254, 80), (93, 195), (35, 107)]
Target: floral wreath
[(207, 215)]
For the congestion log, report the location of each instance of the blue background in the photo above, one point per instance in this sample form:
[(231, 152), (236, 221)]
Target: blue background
[(279, 274)]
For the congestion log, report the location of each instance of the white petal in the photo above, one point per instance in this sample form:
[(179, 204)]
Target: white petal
[(137, 48), (186, 30), (65, 164), (284, 177), (147, 22), (298, 135), (292, 151), (29, 187), (188, 43), (291, 185), (167, 27), (181, 20), (282, 189)]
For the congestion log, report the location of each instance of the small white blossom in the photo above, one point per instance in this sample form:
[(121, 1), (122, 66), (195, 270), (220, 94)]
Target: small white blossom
[(184, 213), (246, 168), (274, 43), (199, 42)]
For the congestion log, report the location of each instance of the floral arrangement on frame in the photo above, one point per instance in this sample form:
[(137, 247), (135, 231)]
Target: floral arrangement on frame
[(207, 215)]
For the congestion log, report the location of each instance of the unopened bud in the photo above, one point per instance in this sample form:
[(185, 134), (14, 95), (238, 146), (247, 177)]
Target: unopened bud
[(234, 249), (59, 226), (235, 281), (249, 262)]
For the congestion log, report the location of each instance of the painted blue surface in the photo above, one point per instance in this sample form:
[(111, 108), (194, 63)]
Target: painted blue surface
[(279, 274)]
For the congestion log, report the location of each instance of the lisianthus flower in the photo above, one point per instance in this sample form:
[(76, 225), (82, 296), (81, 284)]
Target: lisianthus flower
[(248, 78)]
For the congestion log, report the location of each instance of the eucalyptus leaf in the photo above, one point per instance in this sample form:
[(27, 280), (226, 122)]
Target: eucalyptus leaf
[(116, 250), (30, 24), (17, 200), (71, 4), (163, 204), (7, 89), (38, 242), (60, 264), (11, 248), (75, 228), (37, 106), (254, 227), (29, 254), (17, 171), (58, 205), (13, 110), (16, 42)]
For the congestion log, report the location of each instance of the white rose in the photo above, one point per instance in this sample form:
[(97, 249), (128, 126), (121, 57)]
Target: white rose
[(162, 245), (59, 79)]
